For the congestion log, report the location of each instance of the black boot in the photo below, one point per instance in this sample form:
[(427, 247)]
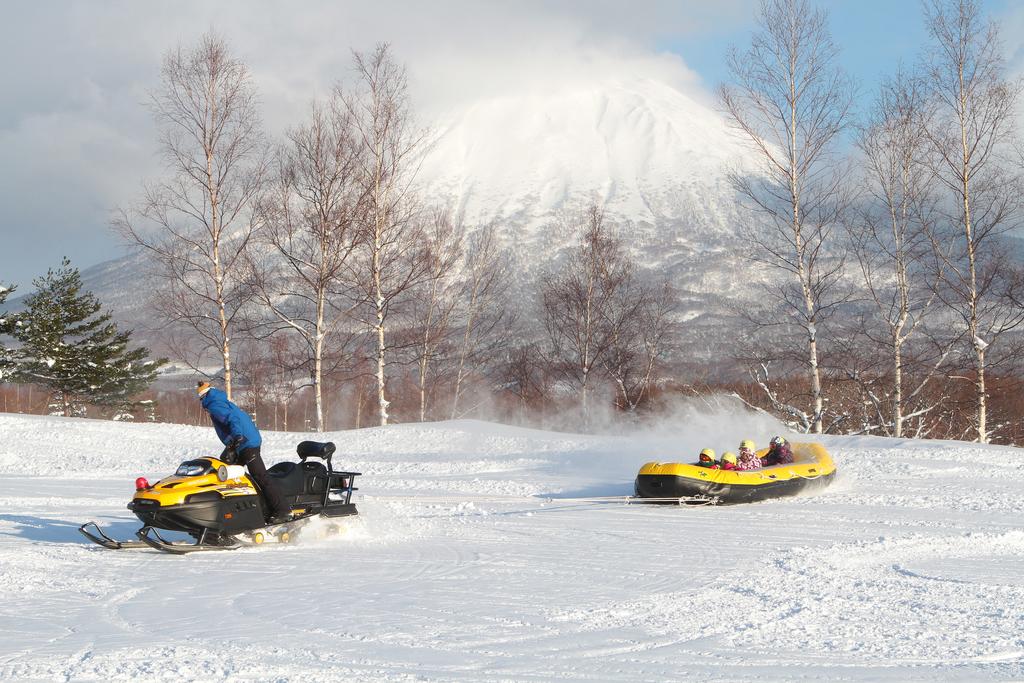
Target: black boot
[(281, 517)]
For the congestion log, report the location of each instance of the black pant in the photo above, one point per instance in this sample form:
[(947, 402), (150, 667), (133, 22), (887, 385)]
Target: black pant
[(250, 457)]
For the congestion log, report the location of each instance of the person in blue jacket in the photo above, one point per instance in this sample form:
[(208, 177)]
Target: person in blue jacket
[(242, 441)]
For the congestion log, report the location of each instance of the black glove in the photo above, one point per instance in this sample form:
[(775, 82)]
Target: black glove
[(230, 454)]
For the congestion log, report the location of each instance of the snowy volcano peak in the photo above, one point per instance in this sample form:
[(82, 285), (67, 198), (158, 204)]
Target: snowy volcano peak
[(655, 157), (646, 150)]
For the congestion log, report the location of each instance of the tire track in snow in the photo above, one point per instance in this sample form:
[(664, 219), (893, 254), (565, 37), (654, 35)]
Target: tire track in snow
[(855, 602)]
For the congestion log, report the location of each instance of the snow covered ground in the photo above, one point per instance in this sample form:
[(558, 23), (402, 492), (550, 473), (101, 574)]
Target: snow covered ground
[(469, 563)]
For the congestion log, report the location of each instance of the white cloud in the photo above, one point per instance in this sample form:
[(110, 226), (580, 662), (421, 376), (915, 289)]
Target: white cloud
[(77, 141)]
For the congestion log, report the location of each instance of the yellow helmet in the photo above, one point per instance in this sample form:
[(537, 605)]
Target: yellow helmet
[(708, 452), (746, 443), (729, 457)]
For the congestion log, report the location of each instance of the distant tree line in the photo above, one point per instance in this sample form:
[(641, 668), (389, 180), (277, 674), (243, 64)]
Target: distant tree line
[(329, 293)]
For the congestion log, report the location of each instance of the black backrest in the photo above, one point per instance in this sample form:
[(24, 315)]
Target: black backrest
[(315, 449)]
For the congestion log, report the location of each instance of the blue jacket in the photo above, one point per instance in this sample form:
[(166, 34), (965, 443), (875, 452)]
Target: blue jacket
[(230, 421)]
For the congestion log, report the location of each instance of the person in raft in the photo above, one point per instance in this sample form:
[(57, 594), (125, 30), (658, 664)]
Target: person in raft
[(779, 453), (748, 458), (242, 441), (707, 459), (729, 461)]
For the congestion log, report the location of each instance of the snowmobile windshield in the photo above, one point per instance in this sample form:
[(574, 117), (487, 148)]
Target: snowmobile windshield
[(193, 468)]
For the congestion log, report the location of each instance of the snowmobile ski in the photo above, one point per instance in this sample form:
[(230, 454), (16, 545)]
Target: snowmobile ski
[(149, 536), (99, 538), (282, 532)]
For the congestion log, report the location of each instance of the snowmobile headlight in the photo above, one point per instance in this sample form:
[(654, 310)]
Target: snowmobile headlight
[(188, 469), (225, 472)]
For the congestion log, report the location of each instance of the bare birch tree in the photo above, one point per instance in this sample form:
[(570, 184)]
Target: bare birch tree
[(893, 239), (434, 300), (284, 358), (971, 139), (523, 375), (641, 332), (303, 273), (865, 380), (790, 101), (388, 146), (196, 224), (577, 299), (482, 314)]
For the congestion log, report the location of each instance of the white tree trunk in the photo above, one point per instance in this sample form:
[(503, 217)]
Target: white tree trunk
[(982, 397), (973, 324), (897, 401), (460, 375), (318, 382), (222, 319), (380, 204), (382, 401), (424, 364), (816, 393)]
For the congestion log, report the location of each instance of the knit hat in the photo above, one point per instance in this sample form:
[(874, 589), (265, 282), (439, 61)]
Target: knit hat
[(202, 387)]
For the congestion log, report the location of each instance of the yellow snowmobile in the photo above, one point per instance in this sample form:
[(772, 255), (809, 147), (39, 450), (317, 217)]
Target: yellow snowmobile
[(220, 506)]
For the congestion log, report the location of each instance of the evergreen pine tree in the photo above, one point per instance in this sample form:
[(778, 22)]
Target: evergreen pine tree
[(7, 322), (70, 347)]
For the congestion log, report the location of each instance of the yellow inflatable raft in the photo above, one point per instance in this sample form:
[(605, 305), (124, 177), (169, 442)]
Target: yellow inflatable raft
[(812, 469)]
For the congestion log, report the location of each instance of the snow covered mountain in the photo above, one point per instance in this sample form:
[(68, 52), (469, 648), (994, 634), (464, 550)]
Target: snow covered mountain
[(645, 150), (655, 157)]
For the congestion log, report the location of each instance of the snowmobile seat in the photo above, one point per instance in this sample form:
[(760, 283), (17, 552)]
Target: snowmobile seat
[(294, 479), (315, 449)]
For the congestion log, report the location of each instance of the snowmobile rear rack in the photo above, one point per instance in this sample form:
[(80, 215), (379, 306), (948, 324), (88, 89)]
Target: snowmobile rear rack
[(339, 484), (343, 486)]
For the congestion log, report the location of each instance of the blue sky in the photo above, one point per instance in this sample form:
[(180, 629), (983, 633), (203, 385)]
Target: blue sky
[(873, 36), (76, 141)]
